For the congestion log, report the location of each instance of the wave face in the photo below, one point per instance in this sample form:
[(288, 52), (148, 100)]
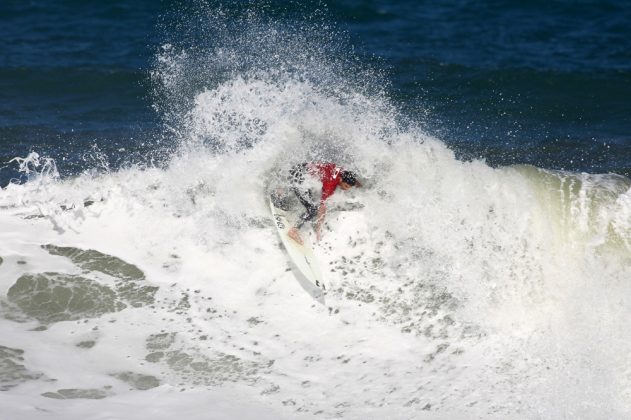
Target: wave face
[(455, 289)]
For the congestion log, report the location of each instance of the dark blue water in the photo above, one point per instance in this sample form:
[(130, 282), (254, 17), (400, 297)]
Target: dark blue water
[(540, 82)]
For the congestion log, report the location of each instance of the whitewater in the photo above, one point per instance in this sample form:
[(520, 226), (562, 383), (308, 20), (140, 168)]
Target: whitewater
[(454, 289)]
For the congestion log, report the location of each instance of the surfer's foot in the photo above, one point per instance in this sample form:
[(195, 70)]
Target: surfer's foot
[(293, 234)]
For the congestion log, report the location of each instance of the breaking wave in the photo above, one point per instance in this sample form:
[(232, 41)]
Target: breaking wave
[(453, 287)]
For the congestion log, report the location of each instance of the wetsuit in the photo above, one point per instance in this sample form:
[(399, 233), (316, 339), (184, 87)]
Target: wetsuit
[(327, 173)]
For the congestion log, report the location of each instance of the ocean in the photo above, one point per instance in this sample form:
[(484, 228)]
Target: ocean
[(481, 271)]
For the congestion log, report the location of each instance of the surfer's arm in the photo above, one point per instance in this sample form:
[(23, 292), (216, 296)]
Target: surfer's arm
[(320, 219)]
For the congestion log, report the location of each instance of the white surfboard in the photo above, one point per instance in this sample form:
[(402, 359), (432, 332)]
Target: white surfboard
[(302, 257)]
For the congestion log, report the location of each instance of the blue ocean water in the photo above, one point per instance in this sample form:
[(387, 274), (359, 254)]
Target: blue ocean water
[(546, 83)]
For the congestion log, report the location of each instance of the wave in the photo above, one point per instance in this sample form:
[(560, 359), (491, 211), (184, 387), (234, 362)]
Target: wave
[(453, 287), (466, 268)]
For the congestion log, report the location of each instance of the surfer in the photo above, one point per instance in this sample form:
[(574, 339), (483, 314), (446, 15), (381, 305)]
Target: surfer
[(304, 179)]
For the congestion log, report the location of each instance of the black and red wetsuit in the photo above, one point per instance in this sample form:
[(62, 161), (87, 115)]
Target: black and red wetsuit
[(327, 173)]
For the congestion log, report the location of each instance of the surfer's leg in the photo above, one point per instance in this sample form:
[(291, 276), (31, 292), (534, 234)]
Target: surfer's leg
[(282, 196), (296, 178), (306, 200)]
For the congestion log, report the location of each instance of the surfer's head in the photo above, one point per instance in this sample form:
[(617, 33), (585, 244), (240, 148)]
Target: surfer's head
[(348, 179)]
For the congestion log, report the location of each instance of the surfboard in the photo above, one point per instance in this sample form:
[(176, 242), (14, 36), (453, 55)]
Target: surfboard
[(304, 262)]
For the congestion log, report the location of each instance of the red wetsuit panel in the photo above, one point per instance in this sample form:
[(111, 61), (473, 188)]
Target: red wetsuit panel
[(328, 174)]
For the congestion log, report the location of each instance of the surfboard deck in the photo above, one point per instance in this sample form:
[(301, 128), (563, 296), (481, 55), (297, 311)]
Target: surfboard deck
[(301, 256)]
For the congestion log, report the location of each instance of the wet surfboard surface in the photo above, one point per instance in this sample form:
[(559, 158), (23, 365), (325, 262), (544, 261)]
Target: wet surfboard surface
[(305, 265)]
